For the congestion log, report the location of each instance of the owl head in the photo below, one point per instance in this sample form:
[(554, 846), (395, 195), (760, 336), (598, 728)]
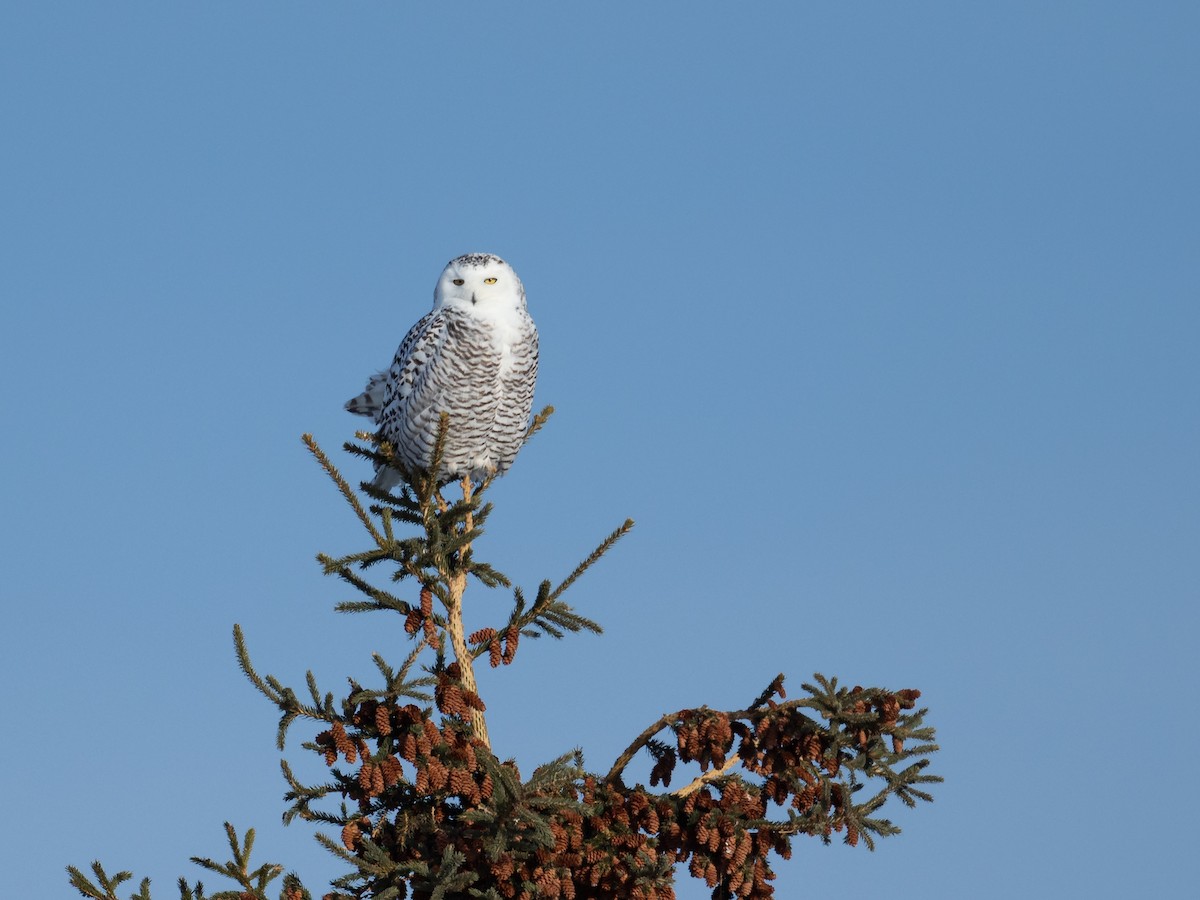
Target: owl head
[(480, 282)]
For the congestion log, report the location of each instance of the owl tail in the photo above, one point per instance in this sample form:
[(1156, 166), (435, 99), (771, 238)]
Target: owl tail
[(386, 478), (370, 401), (363, 405)]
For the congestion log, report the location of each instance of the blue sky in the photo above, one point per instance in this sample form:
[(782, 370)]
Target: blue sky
[(881, 320)]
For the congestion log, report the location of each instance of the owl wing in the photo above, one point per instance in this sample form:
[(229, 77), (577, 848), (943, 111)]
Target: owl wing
[(396, 382), (416, 380)]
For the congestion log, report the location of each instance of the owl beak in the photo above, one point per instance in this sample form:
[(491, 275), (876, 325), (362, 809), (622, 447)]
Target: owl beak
[(472, 298)]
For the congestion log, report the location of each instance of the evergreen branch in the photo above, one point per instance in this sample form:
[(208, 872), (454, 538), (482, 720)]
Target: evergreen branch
[(380, 599), (301, 796), (826, 699), (108, 884), (536, 425), (357, 606), (405, 668), (547, 616), (384, 669), (385, 457), (283, 697), (238, 868), (315, 692), (343, 486), (452, 879), (403, 514), (363, 865), (771, 690), (332, 566), (595, 555), (397, 687), (385, 515), (294, 889), (489, 576), (547, 628), (669, 719), (435, 458), (564, 617), (482, 510), (243, 657), (456, 546)]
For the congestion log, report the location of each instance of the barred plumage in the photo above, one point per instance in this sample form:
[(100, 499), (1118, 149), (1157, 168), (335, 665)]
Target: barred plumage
[(473, 356)]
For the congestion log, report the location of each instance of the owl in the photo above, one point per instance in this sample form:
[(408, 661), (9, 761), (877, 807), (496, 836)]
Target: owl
[(473, 356)]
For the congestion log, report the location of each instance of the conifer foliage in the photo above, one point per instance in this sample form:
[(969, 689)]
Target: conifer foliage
[(418, 806)]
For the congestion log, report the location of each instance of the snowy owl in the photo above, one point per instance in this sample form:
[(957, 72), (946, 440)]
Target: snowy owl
[(474, 356)]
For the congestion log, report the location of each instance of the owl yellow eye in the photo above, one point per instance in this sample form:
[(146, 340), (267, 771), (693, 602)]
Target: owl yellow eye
[(458, 281), (489, 281)]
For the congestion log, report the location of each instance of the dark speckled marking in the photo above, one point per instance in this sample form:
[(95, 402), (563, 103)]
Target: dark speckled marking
[(476, 259)]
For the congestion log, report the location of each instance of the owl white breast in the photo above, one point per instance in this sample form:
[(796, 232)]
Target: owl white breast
[(473, 356)]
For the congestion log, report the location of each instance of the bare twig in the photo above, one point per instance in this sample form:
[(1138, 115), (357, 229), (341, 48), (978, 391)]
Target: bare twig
[(639, 742), (711, 775)]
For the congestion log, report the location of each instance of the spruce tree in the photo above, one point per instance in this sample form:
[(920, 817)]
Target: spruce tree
[(418, 805)]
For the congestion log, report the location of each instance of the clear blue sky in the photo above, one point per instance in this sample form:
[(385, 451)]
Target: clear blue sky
[(880, 319)]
